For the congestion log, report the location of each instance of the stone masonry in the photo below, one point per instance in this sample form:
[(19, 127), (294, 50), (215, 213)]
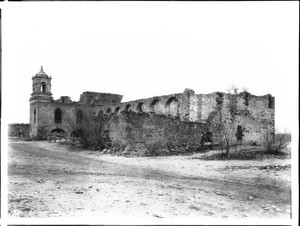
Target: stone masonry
[(175, 117)]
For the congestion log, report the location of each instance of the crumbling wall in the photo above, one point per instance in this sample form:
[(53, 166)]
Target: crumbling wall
[(156, 105), (146, 131), (257, 117), (18, 130), (195, 108), (209, 103), (94, 98), (253, 115)]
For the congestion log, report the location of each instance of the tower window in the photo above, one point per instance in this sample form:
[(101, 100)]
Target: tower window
[(34, 115), (57, 115), (43, 87)]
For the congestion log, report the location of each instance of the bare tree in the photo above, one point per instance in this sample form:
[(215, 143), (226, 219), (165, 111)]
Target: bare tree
[(227, 138), (245, 89), (274, 142), (227, 131), (233, 90)]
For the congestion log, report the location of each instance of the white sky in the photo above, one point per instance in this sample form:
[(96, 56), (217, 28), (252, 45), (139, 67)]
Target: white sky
[(144, 49)]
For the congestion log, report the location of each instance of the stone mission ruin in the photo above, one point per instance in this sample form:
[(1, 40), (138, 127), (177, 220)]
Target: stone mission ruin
[(185, 118)]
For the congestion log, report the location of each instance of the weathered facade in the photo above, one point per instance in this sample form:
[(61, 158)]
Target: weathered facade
[(176, 117)]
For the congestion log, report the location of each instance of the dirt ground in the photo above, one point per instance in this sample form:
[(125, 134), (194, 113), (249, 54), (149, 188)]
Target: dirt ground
[(50, 180)]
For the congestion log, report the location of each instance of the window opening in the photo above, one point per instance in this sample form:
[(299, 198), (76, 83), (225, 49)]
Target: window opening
[(140, 107), (58, 116), (246, 99), (43, 87), (128, 107), (34, 115), (270, 102), (79, 116), (117, 109), (152, 105), (239, 133)]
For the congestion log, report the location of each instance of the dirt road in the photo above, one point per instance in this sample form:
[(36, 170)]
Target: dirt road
[(49, 180)]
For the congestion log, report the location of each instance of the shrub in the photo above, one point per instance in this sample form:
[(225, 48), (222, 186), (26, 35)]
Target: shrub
[(42, 132), (274, 142), (118, 146)]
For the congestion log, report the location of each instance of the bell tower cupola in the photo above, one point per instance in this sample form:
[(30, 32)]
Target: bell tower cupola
[(41, 87)]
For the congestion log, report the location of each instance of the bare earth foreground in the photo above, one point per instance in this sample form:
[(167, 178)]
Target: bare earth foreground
[(49, 180)]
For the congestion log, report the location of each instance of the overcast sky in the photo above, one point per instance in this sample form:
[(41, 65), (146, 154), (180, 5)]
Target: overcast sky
[(144, 49)]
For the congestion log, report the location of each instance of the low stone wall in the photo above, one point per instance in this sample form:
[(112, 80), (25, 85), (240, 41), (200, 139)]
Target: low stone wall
[(18, 130), (150, 134)]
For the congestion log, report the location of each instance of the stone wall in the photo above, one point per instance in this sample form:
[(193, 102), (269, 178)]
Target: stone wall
[(94, 98), (255, 117), (195, 114), (45, 116), (145, 131), (254, 113), (176, 105), (18, 130)]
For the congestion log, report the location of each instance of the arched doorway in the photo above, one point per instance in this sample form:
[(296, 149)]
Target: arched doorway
[(58, 130), (77, 133)]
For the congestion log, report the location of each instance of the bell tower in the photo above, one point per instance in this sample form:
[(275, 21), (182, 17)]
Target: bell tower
[(41, 87), (40, 101)]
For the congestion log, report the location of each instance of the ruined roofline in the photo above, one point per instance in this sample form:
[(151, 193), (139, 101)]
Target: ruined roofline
[(163, 96), (92, 92), (154, 97), (186, 92), (238, 94), (197, 94)]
